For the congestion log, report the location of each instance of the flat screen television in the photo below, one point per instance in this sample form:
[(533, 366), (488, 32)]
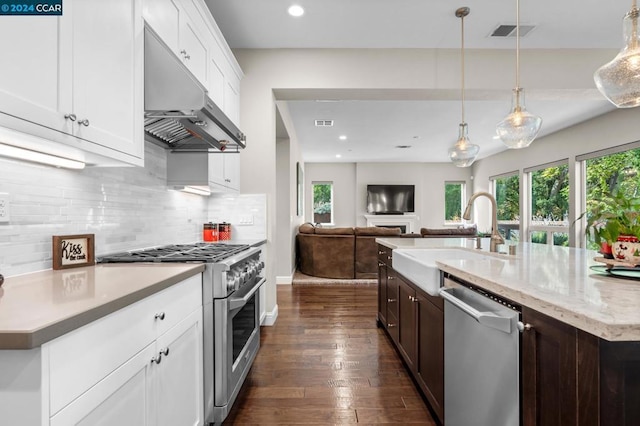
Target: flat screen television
[(390, 199)]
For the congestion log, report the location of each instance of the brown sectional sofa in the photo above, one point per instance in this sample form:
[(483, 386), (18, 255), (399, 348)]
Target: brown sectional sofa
[(349, 253)]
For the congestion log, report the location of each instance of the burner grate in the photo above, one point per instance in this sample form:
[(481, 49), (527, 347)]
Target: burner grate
[(197, 252)]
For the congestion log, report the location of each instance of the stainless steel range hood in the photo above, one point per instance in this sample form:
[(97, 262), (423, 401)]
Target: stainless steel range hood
[(178, 113)]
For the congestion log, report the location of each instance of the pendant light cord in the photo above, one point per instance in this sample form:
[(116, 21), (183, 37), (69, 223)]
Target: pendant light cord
[(518, 44), (462, 64)]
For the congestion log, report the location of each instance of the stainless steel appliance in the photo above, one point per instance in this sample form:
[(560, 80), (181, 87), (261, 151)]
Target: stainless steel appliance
[(178, 113), (482, 357), (231, 313)]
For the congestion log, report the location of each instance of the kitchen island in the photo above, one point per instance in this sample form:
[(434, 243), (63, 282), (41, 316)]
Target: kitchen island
[(581, 353)]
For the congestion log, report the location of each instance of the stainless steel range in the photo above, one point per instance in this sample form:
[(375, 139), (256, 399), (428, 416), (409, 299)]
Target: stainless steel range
[(231, 313)]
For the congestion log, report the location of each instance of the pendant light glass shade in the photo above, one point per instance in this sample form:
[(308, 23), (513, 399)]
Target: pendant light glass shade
[(619, 80), (463, 153), (519, 128)]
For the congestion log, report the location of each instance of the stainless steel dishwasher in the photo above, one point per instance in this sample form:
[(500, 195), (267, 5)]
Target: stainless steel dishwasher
[(481, 358)]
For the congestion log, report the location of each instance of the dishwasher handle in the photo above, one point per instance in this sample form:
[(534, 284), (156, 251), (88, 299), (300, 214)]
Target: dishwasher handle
[(488, 319)]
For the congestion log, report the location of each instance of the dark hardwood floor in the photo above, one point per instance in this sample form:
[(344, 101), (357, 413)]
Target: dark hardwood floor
[(325, 361)]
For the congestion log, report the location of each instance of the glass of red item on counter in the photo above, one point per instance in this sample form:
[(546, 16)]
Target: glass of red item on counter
[(224, 231), (210, 232)]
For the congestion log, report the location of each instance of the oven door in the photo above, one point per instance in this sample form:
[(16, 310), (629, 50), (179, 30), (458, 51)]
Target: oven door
[(237, 340)]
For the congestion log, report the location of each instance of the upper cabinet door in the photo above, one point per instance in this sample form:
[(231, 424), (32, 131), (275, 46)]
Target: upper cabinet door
[(107, 73), (164, 17), (193, 51), (34, 76)]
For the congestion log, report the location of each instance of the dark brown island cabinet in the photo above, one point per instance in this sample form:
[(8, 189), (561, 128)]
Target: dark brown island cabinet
[(415, 323), (569, 377)]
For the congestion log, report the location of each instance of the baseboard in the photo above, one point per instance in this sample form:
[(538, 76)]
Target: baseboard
[(269, 318), (284, 280)]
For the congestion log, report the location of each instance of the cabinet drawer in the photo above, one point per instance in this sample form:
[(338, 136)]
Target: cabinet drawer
[(83, 357), (176, 303), (385, 254)]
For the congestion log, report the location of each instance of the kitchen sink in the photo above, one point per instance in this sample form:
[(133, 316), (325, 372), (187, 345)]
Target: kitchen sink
[(419, 265)]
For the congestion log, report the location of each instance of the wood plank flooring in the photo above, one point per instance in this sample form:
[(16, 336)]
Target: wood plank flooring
[(325, 361)]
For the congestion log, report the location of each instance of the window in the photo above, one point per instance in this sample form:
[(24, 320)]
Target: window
[(322, 202), (609, 173), (549, 208), (507, 193), (453, 196)]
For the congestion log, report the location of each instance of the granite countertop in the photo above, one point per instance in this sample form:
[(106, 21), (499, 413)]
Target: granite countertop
[(38, 307), (556, 281)]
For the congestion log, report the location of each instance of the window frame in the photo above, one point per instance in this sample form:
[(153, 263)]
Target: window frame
[(463, 197), (313, 202), (507, 224), (550, 230)]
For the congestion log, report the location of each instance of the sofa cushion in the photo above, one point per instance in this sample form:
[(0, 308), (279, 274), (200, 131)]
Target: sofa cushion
[(334, 231), (307, 228), (449, 231), (377, 230)]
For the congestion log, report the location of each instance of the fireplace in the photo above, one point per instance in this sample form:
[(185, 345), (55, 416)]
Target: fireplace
[(408, 223), (403, 228)]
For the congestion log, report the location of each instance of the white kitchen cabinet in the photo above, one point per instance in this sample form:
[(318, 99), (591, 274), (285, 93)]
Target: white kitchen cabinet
[(224, 171), (120, 399), (77, 79), (214, 172), (170, 20), (141, 365), (178, 378)]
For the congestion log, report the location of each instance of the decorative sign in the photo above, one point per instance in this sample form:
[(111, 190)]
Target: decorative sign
[(72, 251)]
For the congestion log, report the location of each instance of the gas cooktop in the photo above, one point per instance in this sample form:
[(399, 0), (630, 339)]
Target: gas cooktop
[(197, 252)]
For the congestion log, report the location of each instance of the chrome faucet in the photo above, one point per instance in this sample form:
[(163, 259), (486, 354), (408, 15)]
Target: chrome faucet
[(496, 238)]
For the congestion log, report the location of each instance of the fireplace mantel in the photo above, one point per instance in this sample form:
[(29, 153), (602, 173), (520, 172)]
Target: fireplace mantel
[(409, 221)]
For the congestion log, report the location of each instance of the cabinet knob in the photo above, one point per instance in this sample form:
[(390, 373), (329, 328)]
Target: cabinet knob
[(391, 300), (157, 359), (159, 316), (84, 122), (522, 327), (380, 264), (164, 352), (71, 117), (389, 257), (382, 252), (391, 325), (390, 277), (184, 54)]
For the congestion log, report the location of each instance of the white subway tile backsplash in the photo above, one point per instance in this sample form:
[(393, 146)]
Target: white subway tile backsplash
[(125, 207)]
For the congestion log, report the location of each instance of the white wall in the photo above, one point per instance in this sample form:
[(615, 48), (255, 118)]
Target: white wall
[(272, 74), (350, 187), (343, 177), (615, 128)]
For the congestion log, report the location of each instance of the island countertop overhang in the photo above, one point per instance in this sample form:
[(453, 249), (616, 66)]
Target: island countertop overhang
[(556, 281)]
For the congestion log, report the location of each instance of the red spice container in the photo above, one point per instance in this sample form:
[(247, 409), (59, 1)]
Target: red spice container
[(210, 232), (224, 231)]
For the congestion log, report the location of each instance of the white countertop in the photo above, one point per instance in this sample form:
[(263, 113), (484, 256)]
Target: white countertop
[(556, 281)]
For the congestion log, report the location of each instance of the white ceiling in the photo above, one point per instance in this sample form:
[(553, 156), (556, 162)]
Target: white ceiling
[(375, 127)]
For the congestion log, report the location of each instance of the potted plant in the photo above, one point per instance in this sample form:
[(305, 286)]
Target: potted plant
[(613, 218)]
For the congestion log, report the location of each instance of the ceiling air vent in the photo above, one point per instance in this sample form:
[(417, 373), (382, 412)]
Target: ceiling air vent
[(508, 30), (324, 123)]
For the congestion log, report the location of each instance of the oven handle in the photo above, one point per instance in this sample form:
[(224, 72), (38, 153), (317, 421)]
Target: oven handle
[(239, 302)]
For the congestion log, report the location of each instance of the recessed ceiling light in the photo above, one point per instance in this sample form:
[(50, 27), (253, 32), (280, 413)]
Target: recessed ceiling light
[(296, 10), (342, 137), (338, 156)]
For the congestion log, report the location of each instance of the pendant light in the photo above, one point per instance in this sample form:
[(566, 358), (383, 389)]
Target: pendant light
[(619, 80), (463, 153), (520, 127)]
